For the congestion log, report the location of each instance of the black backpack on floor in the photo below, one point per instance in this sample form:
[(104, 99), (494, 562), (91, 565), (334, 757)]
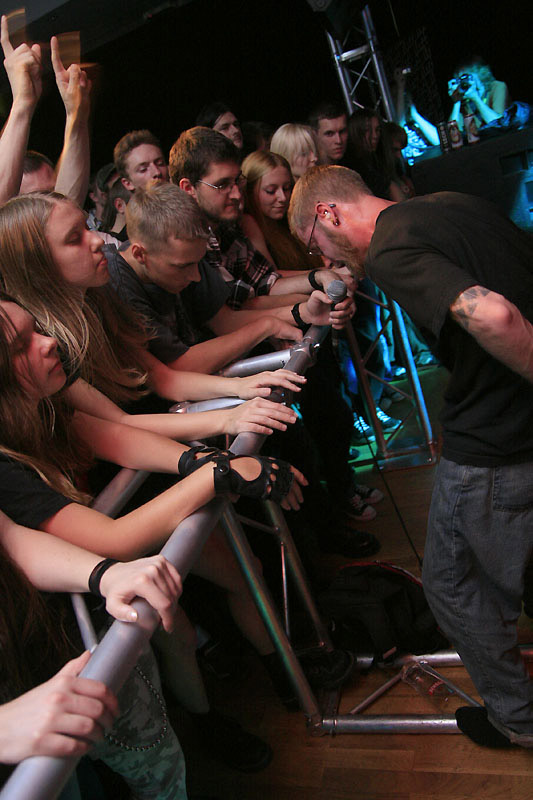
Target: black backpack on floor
[(380, 609)]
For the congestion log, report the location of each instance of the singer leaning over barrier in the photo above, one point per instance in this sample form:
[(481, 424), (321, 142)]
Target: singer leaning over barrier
[(463, 272)]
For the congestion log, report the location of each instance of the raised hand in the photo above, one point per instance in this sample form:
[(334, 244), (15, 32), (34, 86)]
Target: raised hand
[(72, 83), (24, 69)]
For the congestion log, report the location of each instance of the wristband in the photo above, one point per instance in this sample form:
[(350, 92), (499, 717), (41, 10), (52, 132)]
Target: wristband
[(313, 281), (96, 575), (295, 311)]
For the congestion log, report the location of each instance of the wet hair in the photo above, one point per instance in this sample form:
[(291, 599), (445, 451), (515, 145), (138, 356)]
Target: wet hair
[(99, 337), (128, 143), (195, 150), (162, 212)]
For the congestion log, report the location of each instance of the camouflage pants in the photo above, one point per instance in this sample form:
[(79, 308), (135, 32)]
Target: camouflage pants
[(141, 746)]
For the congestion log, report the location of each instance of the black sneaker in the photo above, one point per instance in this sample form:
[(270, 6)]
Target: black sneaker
[(224, 739), (328, 670), (362, 432), (350, 543), (387, 423)]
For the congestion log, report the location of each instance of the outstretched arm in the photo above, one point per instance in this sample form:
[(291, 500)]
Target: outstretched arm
[(298, 282), (214, 354), (23, 67), (498, 326), (147, 527), (182, 385), (53, 565), (258, 415), (74, 162)]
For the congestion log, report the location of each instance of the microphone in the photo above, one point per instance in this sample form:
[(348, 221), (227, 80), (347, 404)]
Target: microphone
[(336, 291)]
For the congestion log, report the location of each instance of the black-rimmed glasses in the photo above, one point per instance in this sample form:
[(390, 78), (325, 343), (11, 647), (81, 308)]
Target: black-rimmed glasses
[(315, 251), (227, 184)]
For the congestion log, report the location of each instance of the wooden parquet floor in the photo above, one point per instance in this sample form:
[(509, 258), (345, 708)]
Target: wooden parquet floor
[(365, 767)]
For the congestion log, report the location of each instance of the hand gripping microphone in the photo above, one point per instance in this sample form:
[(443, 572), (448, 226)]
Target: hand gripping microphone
[(336, 291)]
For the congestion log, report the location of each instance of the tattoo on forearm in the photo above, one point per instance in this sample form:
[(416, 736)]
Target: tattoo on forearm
[(466, 304)]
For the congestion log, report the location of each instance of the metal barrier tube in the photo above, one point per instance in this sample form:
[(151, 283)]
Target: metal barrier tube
[(42, 778), (251, 366), (405, 348), (397, 723), (295, 565), (265, 606)]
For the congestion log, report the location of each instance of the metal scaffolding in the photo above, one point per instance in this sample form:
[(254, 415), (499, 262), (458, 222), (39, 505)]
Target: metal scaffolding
[(359, 68)]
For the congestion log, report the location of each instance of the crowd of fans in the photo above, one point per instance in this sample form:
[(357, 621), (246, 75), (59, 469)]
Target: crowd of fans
[(175, 268)]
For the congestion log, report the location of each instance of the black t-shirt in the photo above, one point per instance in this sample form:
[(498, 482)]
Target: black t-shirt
[(175, 320), (25, 497), (424, 253)]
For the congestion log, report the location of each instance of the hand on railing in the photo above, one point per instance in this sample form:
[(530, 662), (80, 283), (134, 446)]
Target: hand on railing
[(155, 579), (61, 717), (260, 385)]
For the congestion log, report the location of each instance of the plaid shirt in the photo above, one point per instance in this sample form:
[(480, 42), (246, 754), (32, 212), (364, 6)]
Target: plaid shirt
[(243, 267)]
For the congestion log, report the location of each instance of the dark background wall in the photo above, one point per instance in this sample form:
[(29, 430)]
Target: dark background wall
[(268, 59)]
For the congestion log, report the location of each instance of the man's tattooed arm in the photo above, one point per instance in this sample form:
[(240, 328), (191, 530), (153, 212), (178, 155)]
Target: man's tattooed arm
[(466, 304), (498, 326)]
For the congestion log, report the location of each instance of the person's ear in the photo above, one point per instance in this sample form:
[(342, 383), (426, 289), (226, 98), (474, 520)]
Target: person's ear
[(138, 252), (187, 186), (128, 184), (328, 213)]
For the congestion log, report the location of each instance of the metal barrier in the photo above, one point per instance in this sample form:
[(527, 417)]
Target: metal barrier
[(393, 452), (41, 778)]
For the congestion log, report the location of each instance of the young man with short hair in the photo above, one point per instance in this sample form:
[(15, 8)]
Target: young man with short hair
[(330, 124), (162, 274), (464, 273), (139, 160), (206, 166)]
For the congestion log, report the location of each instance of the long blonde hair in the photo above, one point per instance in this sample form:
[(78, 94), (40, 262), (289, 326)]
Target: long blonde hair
[(84, 325), (288, 252)]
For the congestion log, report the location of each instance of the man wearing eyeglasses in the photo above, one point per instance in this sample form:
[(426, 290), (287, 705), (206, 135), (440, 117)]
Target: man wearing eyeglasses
[(463, 271), (206, 165)]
